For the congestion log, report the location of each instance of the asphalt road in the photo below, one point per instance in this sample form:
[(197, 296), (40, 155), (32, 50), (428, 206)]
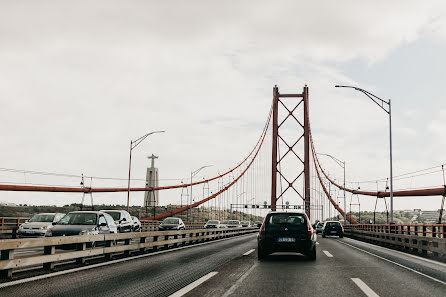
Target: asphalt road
[(344, 267)]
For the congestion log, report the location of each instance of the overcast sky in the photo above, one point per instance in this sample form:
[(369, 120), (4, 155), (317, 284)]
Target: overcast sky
[(80, 79)]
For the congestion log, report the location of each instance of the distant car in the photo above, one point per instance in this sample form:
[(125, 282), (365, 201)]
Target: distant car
[(257, 224), (212, 224), (245, 223), (232, 224), (122, 219), (136, 224), (319, 227), (333, 228), (172, 223), (39, 224), (83, 223), (286, 232)]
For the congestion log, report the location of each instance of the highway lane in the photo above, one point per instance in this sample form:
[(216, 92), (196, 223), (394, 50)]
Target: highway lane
[(344, 267), (154, 275), (340, 270)]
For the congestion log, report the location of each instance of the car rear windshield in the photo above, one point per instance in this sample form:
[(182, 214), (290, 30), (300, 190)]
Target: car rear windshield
[(116, 215), (78, 219), (212, 222), (332, 224), (171, 221), (290, 219), (234, 222), (42, 218)]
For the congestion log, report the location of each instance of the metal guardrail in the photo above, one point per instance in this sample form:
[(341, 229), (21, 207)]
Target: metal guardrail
[(426, 240), (427, 230), (153, 225), (12, 221), (112, 243)]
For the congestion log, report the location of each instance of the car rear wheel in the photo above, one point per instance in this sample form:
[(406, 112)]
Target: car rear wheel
[(312, 254), (341, 236), (323, 235), (260, 253)]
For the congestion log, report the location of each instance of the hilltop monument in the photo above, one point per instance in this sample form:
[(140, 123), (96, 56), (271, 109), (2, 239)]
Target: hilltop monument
[(152, 198)]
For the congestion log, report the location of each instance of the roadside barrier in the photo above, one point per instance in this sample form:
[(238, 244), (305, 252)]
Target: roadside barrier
[(423, 239), (83, 247)]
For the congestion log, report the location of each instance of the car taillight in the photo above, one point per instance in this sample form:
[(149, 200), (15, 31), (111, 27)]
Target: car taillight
[(310, 230), (262, 229)]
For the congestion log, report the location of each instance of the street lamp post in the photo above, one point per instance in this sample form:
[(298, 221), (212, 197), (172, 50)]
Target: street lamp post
[(192, 174), (342, 164), (133, 144), (377, 100)]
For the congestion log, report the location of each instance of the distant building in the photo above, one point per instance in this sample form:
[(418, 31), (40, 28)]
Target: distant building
[(3, 203)]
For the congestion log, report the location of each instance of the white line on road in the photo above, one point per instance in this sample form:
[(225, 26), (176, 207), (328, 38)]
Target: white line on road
[(193, 285), (248, 252), (398, 264), (43, 276), (398, 252), (366, 289), (327, 253), (239, 281), (317, 242)]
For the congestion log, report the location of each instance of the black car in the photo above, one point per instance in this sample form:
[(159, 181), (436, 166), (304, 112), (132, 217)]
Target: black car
[(83, 223), (172, 224), (332, 228), (286, 232)]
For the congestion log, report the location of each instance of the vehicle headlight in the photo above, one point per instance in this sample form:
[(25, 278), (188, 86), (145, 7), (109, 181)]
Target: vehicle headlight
[(21, 227), (43, 228), (84, 232), (49, 233)]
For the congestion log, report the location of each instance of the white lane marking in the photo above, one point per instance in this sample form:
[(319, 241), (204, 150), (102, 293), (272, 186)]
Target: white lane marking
[(193, 285), (327, 253), (239, 281), (398, 264), (248, 252), (43, 276), (366, 289), (317, 242), (398, 252)]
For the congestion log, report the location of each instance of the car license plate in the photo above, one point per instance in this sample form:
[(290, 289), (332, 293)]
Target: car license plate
[(286, 239), (333, 232)]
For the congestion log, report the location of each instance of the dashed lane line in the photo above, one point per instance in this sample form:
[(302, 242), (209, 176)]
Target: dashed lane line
[(366, 289), (193, 285), (327, 253), (248, 252)]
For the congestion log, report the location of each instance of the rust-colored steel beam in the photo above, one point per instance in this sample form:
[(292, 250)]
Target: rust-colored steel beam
[(290, 95), (275, 140), (306, 154)]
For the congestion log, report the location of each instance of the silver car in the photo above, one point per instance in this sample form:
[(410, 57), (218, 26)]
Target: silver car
[(232, 224), (213, 224), (122, 219), (84, 223), (39, 224)]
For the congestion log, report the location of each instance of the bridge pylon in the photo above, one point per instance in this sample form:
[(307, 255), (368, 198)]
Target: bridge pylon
[(290, 108)]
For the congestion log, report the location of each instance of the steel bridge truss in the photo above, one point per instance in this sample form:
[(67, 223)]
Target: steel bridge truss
[(291, 113)]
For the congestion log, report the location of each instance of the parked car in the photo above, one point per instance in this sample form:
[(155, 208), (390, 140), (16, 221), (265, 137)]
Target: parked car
[(83, 223), (39, 224), (122, 219), (333, 228), (136, 224), (257, 224), (245, 223), (319, 227), (212, 224), (172, 223), (232, 224), (286, 232)]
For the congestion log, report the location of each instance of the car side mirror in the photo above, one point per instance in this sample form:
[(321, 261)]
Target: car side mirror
[(103, 224), (124, 220), (26, 221), (54, 223)]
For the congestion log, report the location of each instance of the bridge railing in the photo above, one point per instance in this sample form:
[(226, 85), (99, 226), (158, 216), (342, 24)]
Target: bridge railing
[(80, 248), (423, 239), (12, 221), (427, 230), (147, 225)]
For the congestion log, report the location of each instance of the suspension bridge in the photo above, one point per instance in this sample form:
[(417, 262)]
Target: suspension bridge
[(283, 171)]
